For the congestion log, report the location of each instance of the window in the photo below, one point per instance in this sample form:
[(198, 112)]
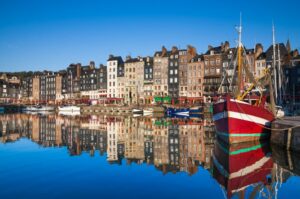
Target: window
[(175, 80), (171, 80), (175, 71), (171, 72)]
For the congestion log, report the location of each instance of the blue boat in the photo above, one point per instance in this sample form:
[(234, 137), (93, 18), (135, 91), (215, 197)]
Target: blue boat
[(196, 110), (181, 112), (2, 109)]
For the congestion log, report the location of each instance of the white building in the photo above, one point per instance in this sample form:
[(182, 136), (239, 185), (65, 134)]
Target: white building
[(115, 69)]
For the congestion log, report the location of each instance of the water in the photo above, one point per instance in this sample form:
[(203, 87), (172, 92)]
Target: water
[(49, 156)]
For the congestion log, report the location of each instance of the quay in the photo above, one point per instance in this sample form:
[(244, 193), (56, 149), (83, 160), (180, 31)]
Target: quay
[(117, 110), (286, 133)]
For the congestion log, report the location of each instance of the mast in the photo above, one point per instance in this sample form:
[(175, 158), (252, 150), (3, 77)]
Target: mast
[(279, 77), (71, 85), (239, 58), (274, 64)]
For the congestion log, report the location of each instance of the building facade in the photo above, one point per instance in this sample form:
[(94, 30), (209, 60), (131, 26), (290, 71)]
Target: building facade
[(115, 69)]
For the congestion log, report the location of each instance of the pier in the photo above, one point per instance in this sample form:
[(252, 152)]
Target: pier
[(115, 110), (286, 133)]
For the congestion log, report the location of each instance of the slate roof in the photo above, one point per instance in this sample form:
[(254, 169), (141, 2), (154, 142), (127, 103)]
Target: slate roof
[(115, 58)]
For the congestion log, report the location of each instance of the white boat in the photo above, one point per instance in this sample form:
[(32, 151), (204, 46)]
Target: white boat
[(39, 108), (69, 109), (137, 111), (147, 111)]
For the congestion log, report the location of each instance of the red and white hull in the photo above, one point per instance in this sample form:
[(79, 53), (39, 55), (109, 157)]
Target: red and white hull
[(237, 121)]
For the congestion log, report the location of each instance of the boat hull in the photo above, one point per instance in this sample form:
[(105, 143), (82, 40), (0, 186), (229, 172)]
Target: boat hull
[(237, 121), (39, 108), (181, 112)]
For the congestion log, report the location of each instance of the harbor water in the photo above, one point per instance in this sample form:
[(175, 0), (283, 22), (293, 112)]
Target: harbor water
[(52, 156)]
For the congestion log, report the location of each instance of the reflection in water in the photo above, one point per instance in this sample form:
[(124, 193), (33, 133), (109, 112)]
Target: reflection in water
[(239, 166), (247, 170), (170, 145)]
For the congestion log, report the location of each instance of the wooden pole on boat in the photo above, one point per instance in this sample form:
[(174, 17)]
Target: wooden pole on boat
[(239, 59)]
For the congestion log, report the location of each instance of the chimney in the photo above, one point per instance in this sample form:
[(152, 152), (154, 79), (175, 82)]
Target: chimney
[(258, 50), (174, 49), (163, 51), (92, 64), (128, 57)]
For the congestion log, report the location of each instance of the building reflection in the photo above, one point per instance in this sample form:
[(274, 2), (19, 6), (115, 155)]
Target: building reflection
[(171, 145)]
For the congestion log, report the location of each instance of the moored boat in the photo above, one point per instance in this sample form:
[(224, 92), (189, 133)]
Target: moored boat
[(69, 108), (184, 112), (38, 108), (147, 111), (137, 111), (238, 119)]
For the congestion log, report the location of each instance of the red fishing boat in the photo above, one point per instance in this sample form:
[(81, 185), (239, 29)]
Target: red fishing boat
[(238, 119)]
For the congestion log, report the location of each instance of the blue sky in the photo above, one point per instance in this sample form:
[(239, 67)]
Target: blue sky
[(37, 35)]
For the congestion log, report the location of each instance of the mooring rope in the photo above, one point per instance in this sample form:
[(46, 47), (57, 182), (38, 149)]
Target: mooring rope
[(265, 127)]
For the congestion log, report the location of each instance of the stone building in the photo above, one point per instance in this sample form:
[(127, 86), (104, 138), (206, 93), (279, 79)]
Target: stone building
[(185, 57), (36, 88), (115, 69), (89, 81), (173, 73), (160, 72), (134, 76), (148, 80), (195, 74), (50, 87), (73, 81), (26, 88), (213, 67)]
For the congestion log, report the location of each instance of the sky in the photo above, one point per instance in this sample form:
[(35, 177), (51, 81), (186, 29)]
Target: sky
[(51, 34)]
